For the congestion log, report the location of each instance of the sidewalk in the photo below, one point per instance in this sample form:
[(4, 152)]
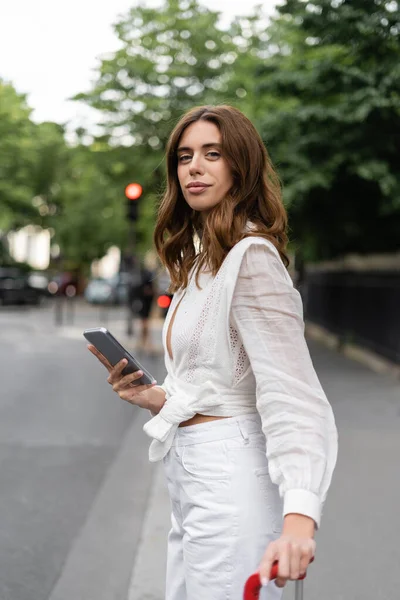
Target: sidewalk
[(148, 574)]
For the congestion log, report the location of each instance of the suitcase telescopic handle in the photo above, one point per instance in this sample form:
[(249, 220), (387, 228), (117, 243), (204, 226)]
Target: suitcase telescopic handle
[(253, 584)]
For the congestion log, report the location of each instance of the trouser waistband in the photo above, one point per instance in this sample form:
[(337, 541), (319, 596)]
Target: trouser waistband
[(220, 429)]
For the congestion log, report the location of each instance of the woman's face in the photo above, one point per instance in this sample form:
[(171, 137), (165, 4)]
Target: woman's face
[(204, 175)]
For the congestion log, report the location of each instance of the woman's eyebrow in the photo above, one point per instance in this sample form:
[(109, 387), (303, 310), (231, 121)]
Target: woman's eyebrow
[(209, 145)]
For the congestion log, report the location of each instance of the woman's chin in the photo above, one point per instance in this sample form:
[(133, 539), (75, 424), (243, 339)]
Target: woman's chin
[(198, 207), (201, 207)]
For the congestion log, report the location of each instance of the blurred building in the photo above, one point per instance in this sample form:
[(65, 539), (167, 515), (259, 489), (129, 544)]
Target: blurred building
[(31, 244), (108, 265)]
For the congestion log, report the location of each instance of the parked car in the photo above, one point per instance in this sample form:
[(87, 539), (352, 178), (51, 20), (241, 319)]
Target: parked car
[(63, 284), (18, 287), (112, 290), (98, 291)]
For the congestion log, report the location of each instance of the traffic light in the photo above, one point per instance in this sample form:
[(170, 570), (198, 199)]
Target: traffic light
[(133, 191)]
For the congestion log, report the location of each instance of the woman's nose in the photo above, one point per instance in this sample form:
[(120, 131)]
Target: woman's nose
[(195, 166)]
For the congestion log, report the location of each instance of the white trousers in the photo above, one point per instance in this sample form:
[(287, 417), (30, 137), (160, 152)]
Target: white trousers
[(225, 509)]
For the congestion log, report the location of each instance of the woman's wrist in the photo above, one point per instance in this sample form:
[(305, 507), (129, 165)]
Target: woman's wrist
[(298, 525), (156, 400)]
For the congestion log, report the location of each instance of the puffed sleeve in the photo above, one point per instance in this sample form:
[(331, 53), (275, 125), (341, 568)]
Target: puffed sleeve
[(297, 419)]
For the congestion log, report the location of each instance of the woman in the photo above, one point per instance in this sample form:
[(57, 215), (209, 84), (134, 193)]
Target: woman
[(241, 422)]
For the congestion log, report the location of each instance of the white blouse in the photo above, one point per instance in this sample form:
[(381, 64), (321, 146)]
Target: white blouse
[(238, 347)]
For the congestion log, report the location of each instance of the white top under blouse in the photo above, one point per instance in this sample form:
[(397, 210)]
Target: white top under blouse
[(238, 347)]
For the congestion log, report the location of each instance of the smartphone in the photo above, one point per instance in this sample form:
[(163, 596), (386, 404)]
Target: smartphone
[(113, 351)]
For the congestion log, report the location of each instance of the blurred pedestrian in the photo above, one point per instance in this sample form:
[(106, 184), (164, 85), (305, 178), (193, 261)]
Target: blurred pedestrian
[(142, 300), (147, 298), (245, 431)]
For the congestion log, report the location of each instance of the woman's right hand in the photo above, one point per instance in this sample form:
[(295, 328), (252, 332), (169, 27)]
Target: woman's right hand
[(122, 384)]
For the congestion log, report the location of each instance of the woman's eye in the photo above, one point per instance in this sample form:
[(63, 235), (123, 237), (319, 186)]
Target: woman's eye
[(186, 157)]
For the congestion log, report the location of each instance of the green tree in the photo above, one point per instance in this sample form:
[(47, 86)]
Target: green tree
[(332, 121), (45, 182), (32, 163), (171, 59), (89, 215), (165, 66), (16, 157), (49, 170)]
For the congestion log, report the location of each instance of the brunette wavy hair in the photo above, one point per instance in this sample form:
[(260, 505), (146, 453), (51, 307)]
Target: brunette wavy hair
[(255, 196)]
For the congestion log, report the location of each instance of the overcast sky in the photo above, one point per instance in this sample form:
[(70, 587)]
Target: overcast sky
[(48, 48)]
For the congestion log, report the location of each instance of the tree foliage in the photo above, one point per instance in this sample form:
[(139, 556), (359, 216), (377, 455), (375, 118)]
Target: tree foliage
[(45, 182), (16, 157), (335, 125), (321, 82), (165, 66)]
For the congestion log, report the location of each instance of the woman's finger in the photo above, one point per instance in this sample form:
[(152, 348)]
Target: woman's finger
[(295, 560), (133, 395), (280, 582), (101, 358), (135, 391), (127, 381), (305, 561), (270, 556), (116, 371), (284, 563)]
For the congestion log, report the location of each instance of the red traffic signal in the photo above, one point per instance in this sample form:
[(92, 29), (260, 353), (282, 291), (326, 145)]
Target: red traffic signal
[(133, 191)]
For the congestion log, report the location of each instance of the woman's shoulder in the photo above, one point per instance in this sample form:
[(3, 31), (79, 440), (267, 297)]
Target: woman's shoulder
[(250, 243), (255, 256)]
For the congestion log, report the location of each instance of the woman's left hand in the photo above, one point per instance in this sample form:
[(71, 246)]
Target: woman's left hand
[(293, 550)]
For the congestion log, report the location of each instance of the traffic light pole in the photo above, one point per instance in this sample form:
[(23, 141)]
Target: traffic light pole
[(134, 267), (133, 191)]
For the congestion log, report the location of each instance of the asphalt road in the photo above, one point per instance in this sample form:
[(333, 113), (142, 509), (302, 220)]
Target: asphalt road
[(63, 434)]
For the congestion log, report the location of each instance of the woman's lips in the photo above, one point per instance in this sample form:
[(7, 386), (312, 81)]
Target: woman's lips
[(197, 189)]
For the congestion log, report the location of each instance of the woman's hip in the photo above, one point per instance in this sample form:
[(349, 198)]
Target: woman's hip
[(225, 508), (221, 468)]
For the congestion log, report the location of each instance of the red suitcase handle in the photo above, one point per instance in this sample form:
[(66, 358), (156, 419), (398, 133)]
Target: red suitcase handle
[(253, 584)]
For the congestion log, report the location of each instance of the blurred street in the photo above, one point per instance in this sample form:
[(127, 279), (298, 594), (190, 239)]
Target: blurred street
[(67, 489), (84, 515)]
